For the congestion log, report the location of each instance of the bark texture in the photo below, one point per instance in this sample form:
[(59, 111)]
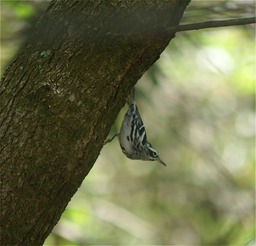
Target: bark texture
[(60, 96)]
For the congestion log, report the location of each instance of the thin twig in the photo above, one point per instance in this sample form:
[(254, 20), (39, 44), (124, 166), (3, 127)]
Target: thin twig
[(212, 24)]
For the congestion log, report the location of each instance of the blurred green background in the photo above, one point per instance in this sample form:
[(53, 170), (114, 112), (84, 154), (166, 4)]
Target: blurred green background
[(198, 106)]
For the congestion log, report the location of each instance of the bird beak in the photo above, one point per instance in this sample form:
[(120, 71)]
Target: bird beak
[(159, 160)]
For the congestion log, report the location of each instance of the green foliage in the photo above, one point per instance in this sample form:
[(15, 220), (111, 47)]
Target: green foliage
[(21, 9)]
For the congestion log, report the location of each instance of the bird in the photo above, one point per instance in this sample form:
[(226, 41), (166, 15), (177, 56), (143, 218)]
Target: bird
[(133, 137)]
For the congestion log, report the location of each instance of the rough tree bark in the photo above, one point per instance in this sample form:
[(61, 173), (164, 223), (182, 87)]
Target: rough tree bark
[(60, 96)]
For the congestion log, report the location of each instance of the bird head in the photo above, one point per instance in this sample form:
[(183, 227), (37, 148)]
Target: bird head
[(153, 155)]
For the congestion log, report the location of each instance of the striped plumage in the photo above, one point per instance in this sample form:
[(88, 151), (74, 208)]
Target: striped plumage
[(133, 137)]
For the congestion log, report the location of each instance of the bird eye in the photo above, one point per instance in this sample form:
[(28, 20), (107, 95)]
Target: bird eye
[(153, 153)]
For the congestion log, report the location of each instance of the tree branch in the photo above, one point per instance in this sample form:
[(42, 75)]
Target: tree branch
[(212, 24), (60, 97)]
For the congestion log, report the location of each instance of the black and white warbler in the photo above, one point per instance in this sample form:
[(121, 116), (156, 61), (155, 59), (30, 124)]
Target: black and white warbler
[(133, 138)]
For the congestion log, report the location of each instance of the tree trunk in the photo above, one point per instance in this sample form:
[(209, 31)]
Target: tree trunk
[(60, 96)]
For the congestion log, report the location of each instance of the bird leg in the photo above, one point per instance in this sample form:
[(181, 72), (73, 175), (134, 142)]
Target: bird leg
[(110, 139)]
